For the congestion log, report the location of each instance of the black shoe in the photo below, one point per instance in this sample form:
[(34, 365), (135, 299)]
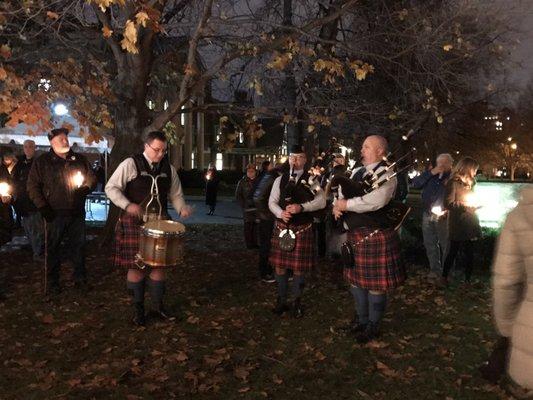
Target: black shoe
[(162, 314), (297, 309), (370, 333), (354, 327), (139, 317), (268, 278), (280, 307)]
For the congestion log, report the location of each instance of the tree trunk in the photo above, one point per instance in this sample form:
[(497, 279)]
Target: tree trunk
[(128, 141)]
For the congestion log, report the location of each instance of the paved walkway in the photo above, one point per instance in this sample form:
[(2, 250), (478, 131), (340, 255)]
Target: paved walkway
[(227, 212)]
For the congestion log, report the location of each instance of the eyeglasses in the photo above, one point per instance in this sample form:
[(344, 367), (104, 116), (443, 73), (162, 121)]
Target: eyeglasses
[(160, 151)]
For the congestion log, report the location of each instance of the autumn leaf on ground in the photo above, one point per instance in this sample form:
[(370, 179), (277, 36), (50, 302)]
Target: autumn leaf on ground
[(241, 373), (386, 370), (48, 319)]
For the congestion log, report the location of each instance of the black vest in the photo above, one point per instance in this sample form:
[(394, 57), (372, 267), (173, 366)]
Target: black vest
[(138, 190), (371, 219), (299, 194)]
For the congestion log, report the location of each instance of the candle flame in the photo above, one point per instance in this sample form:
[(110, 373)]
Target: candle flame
[(437, 210), (4, 189), (78, 179)]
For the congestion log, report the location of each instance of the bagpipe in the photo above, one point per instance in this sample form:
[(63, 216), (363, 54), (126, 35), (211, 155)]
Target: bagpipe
[(391, 215)]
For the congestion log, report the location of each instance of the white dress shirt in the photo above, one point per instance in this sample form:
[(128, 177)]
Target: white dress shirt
[(377, 198), (317, 203), (126, 172)]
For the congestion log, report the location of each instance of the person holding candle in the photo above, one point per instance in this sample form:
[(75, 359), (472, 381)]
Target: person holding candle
[(129, 188), (58, 184), (6, 216), (463, 223), (31, 219), (211, 189), (434, 217)]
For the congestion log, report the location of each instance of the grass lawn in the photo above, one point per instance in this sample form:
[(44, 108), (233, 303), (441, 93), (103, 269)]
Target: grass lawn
[(228, 345)]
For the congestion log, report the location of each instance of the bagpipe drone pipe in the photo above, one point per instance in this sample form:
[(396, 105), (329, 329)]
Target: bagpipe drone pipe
[(391, 215)]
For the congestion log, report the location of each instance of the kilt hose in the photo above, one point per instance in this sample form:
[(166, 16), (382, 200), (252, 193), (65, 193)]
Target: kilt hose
[(378, 264), (127, 234), (303, 257)]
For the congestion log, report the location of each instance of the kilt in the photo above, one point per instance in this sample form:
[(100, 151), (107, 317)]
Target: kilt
[(127, 234), (378, 264), (302, 258)]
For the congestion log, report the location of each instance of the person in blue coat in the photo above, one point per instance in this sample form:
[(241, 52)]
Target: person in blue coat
[(434, 217)]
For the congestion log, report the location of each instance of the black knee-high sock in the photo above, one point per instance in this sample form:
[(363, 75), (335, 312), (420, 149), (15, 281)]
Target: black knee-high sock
[(157, 291), (298, 283), (361, 303), (282, 281), (136, 290), (377, 304)]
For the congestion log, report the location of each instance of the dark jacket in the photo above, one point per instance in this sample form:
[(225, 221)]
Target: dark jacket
[(244, 196), (50, 183), (262, 194), (433, 189), (20, 179), (6, 215), (463, 221)]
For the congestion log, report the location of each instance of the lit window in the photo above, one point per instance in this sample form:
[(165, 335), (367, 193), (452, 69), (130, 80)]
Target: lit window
[(182, 116), (165, 105), (219, 162), (241, 137), (192, 161)]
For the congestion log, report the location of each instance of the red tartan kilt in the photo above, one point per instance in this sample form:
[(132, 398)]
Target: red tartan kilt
[(127, 234), (378, 264), (302, 258)]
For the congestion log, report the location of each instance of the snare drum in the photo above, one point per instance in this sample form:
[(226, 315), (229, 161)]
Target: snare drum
[(161, 243)]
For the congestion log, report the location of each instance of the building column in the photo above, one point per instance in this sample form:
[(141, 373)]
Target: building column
[(187, 144), (200, 136)]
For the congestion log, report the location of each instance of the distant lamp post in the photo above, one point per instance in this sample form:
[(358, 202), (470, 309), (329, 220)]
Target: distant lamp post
[(509, 138), (514, 146)]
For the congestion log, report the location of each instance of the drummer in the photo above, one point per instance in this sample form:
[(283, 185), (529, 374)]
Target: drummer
[(129, 189)]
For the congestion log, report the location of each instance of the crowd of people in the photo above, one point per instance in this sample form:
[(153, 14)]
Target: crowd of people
[(293, 215)]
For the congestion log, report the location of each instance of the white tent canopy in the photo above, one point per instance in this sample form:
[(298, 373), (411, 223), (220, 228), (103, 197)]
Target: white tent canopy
[(18, 134)]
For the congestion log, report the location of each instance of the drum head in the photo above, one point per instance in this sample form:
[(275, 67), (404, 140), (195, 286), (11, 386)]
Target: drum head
[(163, 228)]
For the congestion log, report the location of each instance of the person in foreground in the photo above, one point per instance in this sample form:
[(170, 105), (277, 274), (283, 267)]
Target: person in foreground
[(512, 284), (129, 188), (58, 184), (378, 267), (293, 237)]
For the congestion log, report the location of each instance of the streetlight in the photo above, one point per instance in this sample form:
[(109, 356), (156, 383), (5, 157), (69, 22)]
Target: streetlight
[(514, 146), (509, 138), (60, 109)]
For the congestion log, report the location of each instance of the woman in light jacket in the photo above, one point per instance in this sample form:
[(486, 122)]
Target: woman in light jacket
[(513, 289), (463, 223)]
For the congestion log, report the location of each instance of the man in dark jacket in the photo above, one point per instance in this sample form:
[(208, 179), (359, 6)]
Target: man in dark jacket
[(58, 184), (266, 220), (6, 215), (243, 195), (434, 219), (31, 219)]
